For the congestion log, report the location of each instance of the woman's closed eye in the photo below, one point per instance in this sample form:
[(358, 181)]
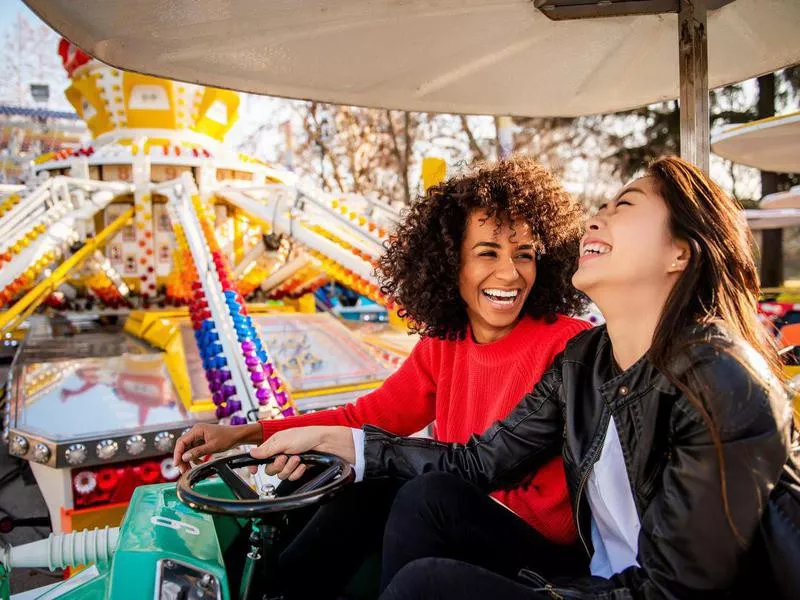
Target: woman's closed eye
[(616, 204)]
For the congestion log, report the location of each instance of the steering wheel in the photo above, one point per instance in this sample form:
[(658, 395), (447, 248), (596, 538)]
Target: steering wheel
[(336, 474)]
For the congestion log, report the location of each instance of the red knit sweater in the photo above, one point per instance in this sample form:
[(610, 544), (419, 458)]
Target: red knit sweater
[(463, 387)]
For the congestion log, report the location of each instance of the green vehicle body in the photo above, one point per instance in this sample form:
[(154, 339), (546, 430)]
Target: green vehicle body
[(157, 526)]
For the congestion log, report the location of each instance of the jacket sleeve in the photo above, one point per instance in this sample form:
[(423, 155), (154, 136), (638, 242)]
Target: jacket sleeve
[(687, 545), (499, 458)]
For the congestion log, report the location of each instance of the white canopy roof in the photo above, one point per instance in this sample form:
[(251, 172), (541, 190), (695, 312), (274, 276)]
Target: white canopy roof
[(771, 144), (773, 218), (462, 56), (789, 199)]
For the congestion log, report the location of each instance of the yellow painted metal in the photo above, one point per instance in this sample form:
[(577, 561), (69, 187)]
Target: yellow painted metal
[(87, 98), (306, 304), (23, 308), (339, 389), (239, 227), (397, 322), (217, 112), (434, 171)]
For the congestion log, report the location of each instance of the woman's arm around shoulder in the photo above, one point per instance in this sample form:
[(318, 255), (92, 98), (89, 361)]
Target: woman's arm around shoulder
[(499, 458)]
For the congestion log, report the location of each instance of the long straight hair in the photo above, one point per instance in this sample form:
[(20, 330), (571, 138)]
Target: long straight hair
[(720, 282)]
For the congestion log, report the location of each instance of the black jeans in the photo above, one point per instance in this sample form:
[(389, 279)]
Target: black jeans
[(328, 545), (446, 539)]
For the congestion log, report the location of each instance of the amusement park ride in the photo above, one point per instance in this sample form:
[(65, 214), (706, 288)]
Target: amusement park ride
[(178, 231), (156, 221)]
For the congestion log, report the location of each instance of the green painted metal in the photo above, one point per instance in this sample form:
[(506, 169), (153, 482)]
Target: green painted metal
[(5, 591), (157, 526)]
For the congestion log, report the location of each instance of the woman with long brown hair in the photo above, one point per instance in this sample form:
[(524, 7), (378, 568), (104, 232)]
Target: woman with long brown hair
[(672, 421)]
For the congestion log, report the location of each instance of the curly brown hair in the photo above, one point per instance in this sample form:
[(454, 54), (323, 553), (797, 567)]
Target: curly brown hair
[(420, 267)]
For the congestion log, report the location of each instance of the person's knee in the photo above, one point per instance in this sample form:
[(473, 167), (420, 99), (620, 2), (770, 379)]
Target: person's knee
[(418, 579), (429, 498)]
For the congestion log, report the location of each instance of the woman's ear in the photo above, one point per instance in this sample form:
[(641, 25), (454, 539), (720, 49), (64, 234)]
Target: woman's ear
[(682, 253)]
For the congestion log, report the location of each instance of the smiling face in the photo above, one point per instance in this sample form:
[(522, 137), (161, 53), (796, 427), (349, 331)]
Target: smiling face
[(498, 269), (628, 243)]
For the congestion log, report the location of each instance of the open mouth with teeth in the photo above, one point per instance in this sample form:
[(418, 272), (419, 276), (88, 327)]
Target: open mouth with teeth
[(501, 297), (595, 249)]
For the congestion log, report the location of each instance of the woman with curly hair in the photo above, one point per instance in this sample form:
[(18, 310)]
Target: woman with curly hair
[(482, 267)]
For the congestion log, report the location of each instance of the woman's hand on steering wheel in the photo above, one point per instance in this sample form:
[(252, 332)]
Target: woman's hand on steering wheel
[(289, 442), (205, 438)]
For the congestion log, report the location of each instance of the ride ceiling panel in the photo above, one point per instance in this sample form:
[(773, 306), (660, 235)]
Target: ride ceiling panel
[(771, 144), (462, 56)]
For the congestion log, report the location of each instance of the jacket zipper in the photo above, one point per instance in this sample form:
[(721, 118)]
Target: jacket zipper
[(551, 591), (584, 479)]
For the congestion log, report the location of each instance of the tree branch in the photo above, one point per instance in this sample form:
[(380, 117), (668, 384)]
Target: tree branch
[(473, 143)]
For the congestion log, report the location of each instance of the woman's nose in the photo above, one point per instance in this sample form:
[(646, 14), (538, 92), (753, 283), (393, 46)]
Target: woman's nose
[(507, 271), (594, 223)]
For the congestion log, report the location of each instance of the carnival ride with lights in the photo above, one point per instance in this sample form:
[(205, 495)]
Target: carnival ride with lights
[(180, 542), (157, 222)]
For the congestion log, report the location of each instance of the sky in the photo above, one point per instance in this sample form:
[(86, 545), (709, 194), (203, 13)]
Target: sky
[(9, 9)]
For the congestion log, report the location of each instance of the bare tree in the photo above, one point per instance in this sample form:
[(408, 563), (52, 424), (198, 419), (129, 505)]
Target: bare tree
[(31, 56)]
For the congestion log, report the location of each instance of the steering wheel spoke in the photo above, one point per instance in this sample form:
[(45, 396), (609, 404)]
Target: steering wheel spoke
[(235, 483), (326, 476)]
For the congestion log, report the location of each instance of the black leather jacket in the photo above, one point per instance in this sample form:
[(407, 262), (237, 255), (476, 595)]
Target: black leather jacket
[(687, 547)]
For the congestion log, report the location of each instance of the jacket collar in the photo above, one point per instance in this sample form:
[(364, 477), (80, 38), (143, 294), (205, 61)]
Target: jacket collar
[(633, 381)]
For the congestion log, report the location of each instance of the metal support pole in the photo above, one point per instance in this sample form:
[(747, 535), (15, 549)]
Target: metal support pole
[(693, 59)]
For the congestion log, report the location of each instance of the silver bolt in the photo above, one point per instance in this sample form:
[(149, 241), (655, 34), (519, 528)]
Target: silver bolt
[(41, 453), (18, 445)]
